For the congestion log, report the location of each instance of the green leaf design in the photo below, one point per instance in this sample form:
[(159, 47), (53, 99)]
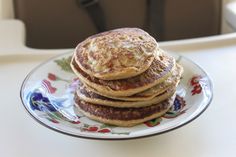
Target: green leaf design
[(153, 122), (86, 125), (120, 133), (64, 63), (106, 126)]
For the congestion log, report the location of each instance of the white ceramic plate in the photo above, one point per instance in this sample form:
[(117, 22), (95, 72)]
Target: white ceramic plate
[(47, 94)]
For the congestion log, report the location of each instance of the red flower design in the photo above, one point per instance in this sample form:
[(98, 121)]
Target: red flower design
[(105, 130), (48, 86), (197, 88), (195, 80), (52, 77), (92, 129), (96, 129), (75, 122)]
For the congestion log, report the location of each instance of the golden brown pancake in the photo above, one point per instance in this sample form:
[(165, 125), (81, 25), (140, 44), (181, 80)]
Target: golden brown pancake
[(159, 71), (116, 54), (124, 77), (88, 96), (169, 84), (122, 116)]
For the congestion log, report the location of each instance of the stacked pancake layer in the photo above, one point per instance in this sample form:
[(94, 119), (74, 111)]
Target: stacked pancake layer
[(124, 77)]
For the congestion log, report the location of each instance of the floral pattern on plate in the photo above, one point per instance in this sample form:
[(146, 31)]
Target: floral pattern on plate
[(47, 94)]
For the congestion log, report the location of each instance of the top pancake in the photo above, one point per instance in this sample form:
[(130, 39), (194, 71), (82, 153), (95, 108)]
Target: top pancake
[(116, 54)]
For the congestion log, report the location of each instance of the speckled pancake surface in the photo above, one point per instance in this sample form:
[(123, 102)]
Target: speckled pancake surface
[(116, 54), (169, 84), (158, 72), (123, 116), (83, 93)]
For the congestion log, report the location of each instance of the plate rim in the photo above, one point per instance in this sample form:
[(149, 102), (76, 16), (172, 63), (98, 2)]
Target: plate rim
[(206, 105)]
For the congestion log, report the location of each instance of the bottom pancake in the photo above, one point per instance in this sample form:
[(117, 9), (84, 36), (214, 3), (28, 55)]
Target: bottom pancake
[(122, 116)]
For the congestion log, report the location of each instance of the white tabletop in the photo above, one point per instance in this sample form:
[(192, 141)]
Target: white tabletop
[(213, 134)]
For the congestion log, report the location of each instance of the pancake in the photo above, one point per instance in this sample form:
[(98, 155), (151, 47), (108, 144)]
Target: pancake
[(116, 54), (122, 116), (88, 96), (159, 71), (169, 84)]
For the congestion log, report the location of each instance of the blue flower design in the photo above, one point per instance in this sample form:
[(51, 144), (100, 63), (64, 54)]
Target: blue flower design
[(177, 108), (38, 102), (177, 105)]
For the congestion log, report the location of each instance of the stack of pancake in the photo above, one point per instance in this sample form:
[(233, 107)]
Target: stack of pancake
[(124, 77)]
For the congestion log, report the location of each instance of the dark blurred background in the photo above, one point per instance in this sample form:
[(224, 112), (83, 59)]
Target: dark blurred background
[(64, 23)]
